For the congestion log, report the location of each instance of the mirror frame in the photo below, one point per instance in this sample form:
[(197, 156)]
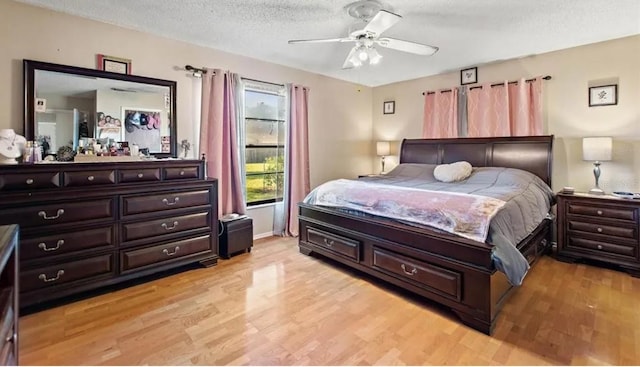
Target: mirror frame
[(31, 66)]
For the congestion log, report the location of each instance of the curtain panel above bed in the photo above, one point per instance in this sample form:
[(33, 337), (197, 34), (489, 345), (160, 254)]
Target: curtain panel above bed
[(506, 109)]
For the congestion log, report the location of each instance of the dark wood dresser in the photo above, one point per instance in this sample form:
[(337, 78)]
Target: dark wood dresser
[(9, 295), (87, 225), (603, 228)]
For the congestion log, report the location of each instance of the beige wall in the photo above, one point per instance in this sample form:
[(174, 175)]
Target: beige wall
[(339, 112), (567, 115)]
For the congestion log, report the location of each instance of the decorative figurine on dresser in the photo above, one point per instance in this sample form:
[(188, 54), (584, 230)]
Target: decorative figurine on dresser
[(605, 228), (85, 224), (11, 146)]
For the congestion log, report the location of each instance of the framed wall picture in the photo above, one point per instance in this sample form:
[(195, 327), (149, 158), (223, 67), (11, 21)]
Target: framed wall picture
[(389, 107), (469, 76), (605, 95), (114, 64)]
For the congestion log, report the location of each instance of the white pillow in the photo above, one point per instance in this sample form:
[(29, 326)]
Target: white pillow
[(452, 172)]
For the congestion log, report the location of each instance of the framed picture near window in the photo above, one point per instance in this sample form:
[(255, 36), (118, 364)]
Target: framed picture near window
[(389, 107), (469, 76), (114, 64), (605, 95)]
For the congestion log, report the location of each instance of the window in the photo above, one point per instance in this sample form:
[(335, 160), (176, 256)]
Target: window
[(265, 121)]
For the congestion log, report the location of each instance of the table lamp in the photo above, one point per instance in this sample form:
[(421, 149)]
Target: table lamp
[(382, 149), (596, 149)]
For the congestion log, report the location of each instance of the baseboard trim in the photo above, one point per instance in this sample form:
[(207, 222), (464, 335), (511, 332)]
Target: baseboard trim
[(262, 235)]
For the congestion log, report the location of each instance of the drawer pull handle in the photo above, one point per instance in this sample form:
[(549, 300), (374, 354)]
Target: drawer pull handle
[(599, 230), (43, 214), (47, 280), (181, 173), (329, 243), (12, 338), (29, 181), (44, 247), (599, 247), (175, 250), (413, 271), (169, 203), (599, 212), (140, 175), (165, 226), (91, 178)]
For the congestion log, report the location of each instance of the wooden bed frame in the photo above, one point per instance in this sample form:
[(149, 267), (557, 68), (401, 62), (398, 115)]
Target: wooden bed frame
[(451, 270)]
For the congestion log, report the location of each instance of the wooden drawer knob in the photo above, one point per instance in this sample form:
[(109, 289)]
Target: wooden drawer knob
[(599, 212), (599, 230), (91, 178), (140, 175), (599, 247), (29, 181)]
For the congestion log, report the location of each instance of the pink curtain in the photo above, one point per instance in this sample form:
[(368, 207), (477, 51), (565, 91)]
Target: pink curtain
[(525, 107), (218, 138), (440, 114), (298, 183), (505, 110)]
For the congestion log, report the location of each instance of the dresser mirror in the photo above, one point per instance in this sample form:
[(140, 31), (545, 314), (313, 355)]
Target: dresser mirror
[(68, 106)]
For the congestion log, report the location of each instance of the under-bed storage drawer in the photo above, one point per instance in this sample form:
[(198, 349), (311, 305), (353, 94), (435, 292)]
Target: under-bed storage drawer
[(335, 243), (431, 277)]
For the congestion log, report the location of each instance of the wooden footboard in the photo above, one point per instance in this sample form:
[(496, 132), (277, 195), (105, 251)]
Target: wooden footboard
[(450, 270)]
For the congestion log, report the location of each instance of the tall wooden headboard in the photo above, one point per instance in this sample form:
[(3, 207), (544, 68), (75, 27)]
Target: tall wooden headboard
[(528, 153)]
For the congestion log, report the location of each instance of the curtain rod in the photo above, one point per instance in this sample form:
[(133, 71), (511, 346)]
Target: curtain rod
[(262, 81), (548, 77), (195, 70)]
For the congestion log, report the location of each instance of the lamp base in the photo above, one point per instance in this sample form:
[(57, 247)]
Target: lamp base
[(596, 191)]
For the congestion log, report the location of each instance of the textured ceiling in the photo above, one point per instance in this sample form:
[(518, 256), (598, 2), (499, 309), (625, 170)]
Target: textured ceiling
[(468, 32)]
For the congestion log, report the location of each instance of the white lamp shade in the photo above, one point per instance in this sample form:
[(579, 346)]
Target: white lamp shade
[(382, 148), (597, 148)]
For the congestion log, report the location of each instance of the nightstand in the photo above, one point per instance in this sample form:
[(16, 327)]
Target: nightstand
[(599, 227), (236, 236)]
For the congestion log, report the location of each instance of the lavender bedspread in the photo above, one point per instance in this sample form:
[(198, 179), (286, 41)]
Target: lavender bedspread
[(521, 201)]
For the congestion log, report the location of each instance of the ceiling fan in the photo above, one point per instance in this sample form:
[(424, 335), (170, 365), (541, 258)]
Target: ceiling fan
[(367, 37)]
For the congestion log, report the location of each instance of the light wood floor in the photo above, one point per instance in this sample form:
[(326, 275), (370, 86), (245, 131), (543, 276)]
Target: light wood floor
[(277, 306)]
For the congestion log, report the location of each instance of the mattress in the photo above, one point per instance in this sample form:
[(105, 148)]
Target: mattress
[(527, 202)]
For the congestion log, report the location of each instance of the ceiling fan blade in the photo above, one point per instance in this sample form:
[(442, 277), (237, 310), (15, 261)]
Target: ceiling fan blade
[(407, 46), (323, 40), (382, 21), (347, 62)]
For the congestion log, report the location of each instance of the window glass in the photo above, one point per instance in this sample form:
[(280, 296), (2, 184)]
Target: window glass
[(264, 114)]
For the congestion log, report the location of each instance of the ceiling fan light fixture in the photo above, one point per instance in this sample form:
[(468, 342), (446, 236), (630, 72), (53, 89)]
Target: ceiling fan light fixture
[(374, 56), (363, 55)]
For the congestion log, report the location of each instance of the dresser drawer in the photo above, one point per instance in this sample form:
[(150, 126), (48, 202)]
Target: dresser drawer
[(165, 253), (164, 201), (601, 248), (335, 243), (164, 226), (432, 277), (29, 181), (139, 175), (629, 233), (65, 212), (89, 178), (66, 272), (66, 242), (628, 214), (179, 173)]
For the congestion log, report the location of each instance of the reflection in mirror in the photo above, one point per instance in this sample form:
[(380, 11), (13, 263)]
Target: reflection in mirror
[(65, 106)]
